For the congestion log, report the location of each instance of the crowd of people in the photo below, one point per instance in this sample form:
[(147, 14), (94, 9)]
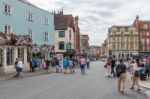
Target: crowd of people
[(138, 69), (64, 65)]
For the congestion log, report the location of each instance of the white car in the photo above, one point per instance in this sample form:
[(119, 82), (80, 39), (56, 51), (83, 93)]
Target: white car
[(103, 59)]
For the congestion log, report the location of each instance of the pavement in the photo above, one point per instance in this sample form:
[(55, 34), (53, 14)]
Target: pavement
[(93, 85), (25, 74)]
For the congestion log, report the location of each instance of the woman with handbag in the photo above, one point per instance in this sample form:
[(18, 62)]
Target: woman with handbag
[(136, 74)]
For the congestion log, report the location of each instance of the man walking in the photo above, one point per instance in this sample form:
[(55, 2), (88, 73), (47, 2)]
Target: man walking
[(121, 76), (82, 65), (20, 67)]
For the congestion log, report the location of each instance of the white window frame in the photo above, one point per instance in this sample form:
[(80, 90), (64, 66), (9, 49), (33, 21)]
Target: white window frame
[(7, 9), (7, 29), (45, 36), (30, 32), (46, 21), (30, 16)]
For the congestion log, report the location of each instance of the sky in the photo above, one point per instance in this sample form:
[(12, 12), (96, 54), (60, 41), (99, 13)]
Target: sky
[(96, 16)]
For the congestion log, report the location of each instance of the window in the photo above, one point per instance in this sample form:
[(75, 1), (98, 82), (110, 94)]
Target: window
[(30, 32), (1, 57), (7, 9), (45, 36), (61, 45), (68, 45), (46, 21), (145, 26), (21, 54), (30, 16), (7, 29), (61, 33), (69, 34), (10, 56)]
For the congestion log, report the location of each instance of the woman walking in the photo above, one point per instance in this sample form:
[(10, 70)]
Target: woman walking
[(136, 74), (108, 67)]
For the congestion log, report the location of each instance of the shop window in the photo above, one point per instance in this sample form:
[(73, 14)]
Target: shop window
[(10, 56), (21, 54), (1, 57)]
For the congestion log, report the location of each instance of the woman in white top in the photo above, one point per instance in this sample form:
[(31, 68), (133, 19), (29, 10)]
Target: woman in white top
[(136, 74), (61, 65)]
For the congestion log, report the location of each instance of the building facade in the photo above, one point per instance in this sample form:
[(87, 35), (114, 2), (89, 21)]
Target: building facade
[(95, 51), (77, 36), (64, 34), (123, 42), (85, 44), (143, 28), (23, 18)]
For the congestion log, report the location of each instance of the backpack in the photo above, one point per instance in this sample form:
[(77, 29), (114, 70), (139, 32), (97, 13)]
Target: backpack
[(118, 71)]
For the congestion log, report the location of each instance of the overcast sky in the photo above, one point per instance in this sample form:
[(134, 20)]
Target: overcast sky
[(95, 16)]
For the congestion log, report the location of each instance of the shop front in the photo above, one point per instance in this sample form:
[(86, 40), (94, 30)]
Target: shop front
[(8, 55)]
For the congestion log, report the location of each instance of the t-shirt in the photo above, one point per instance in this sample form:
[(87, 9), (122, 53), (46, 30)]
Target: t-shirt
[(122, 67), (135, 67), (19, 65), (61, 63), (70, 63), (82, 61)]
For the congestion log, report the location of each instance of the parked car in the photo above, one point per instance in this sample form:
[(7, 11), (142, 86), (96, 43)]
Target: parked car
[(103, 59)]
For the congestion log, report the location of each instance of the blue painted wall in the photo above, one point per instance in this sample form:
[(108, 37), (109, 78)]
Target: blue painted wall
[(20, 24)]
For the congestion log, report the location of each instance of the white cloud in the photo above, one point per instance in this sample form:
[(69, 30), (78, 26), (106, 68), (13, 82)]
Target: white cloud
[(96, 16)]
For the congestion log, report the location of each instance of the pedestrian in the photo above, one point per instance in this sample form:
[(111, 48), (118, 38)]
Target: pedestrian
[(65, 64), (32, 63), (71, 65), (147, 66), (47, 63), (88, 63), (61, 65), (15, 66), (136, 74), (82, 65), (108, 67), (113, 66), (121, 75), (57, 65), (20, 68)]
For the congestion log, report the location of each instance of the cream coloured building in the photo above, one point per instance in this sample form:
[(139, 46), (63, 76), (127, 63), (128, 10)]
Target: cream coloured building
[(8, 55), (64, 36), (123, 42)]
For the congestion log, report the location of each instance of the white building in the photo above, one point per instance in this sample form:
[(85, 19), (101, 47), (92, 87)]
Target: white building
[(8, 55), (64, 33)]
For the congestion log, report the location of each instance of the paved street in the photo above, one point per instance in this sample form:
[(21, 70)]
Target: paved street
[(72, 86)]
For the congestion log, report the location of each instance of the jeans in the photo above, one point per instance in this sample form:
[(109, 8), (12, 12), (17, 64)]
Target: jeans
[(19, 71), (82, 67), (113, 72)]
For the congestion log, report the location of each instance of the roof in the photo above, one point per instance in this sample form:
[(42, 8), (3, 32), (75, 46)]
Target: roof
[(62, 22), (31, 4), (27, 2)]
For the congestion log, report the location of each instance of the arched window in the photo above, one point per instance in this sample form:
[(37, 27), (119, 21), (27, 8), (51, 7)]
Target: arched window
[(10, 56), (1, 57)]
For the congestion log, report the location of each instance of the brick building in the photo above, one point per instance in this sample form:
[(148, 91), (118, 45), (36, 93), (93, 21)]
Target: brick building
[(143, 28)]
